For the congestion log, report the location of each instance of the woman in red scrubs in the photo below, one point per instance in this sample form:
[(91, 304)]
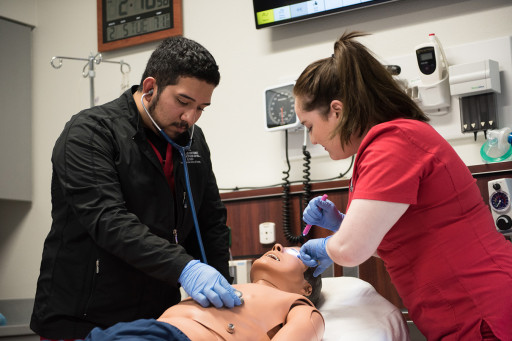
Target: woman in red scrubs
[(412, 200)]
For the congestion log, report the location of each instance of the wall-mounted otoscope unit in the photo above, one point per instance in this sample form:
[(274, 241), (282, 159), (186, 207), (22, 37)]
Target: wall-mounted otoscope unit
[(477, 85)]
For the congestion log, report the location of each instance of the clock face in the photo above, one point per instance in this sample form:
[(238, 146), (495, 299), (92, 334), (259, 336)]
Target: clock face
[(280, 108), (499, 201), (124, 23), (128, 18)]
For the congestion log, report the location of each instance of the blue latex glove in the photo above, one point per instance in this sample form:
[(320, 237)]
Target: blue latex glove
[(323, 213), (313, 253), (206, 285)]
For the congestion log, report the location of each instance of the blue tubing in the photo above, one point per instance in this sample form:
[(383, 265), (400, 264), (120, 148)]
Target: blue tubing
[(189, 191)]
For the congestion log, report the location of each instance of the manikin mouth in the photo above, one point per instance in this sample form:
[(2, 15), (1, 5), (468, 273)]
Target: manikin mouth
[(271, 255), (290, 251)]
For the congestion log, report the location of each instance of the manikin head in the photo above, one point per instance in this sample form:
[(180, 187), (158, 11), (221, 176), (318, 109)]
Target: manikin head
[(282, 269)]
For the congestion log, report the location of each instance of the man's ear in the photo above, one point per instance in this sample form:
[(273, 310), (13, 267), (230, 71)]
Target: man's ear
[(149, 84)]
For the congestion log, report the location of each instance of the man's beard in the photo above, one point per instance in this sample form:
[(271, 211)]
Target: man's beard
[(180, 125)]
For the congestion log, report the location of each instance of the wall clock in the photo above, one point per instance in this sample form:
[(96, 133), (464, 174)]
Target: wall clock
[(280, 108), (123, 23)]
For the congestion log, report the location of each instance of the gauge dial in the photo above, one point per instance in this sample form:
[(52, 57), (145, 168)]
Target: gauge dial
[(280, 108), (499, 201)]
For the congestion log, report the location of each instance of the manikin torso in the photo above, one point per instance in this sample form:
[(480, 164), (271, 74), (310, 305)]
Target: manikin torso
[(263, 313)]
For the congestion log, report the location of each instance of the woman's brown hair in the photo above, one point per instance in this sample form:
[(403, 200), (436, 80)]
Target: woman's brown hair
[(355, 77)]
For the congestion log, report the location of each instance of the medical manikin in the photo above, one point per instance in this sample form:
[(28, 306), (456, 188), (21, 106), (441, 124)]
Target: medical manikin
[(275, 307)]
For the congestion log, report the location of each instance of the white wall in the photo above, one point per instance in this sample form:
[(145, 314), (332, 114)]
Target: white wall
[(250, 60), (22, 11)]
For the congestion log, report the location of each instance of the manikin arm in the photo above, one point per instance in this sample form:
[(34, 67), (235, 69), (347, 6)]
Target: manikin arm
[(303, 323)]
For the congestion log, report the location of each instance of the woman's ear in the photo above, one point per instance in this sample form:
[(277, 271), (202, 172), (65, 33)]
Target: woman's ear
[(336, 108)]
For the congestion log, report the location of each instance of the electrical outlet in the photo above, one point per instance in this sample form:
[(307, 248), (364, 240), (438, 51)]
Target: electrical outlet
[(267, 233)]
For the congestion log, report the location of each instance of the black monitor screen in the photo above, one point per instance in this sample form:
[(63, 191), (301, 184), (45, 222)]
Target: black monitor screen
[(278, 12)]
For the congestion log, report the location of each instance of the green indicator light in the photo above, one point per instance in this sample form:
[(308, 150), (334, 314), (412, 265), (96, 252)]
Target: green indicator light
[(265, 17)]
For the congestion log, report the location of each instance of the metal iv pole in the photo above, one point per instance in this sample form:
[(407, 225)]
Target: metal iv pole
[(88, 69)]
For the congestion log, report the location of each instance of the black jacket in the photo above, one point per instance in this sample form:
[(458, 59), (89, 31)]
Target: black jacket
[(111, 255)]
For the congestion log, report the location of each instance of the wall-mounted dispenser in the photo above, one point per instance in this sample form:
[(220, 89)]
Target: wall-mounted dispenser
[(477, 85), (431, 90)]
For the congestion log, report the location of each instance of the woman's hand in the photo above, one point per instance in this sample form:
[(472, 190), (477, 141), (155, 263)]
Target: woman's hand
[(314, 253), (323, 213)]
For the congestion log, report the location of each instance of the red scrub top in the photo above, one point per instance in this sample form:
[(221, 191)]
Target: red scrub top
[(450, 266)]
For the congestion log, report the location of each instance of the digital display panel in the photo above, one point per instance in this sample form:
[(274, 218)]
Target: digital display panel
[(129, 18), (278, 12), (426, 56)]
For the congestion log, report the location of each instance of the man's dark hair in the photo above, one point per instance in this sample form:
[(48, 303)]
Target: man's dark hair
[(316, 285), (179, 57)]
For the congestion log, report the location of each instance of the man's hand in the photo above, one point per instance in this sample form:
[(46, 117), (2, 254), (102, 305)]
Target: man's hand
[(206, 285)]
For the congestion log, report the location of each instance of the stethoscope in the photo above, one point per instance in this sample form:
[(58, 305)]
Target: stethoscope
[(182, 150)]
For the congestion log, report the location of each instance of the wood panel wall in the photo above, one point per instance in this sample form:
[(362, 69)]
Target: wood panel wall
[(247, 209)]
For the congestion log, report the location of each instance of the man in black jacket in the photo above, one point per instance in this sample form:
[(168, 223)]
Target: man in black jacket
[(123, 237)]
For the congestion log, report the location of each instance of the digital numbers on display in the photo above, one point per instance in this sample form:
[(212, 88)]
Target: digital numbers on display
[(129, 18)]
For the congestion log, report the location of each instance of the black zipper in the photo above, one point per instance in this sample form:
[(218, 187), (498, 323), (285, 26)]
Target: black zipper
[(185, 205), (181, 217), (93, 285)]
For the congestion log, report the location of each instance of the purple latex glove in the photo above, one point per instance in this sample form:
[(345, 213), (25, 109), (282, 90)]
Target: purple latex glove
[(206, 285), (323, 213), (313, 253)]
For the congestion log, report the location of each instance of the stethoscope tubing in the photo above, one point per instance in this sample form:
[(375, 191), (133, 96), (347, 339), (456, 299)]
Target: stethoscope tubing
[(182, 150)]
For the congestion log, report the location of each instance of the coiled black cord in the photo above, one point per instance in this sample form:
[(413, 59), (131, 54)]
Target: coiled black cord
[(306, 184), (286, 201)]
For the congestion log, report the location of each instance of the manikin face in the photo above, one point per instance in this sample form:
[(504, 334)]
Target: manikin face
[(282, 269), (179, 106), (320, 128)]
